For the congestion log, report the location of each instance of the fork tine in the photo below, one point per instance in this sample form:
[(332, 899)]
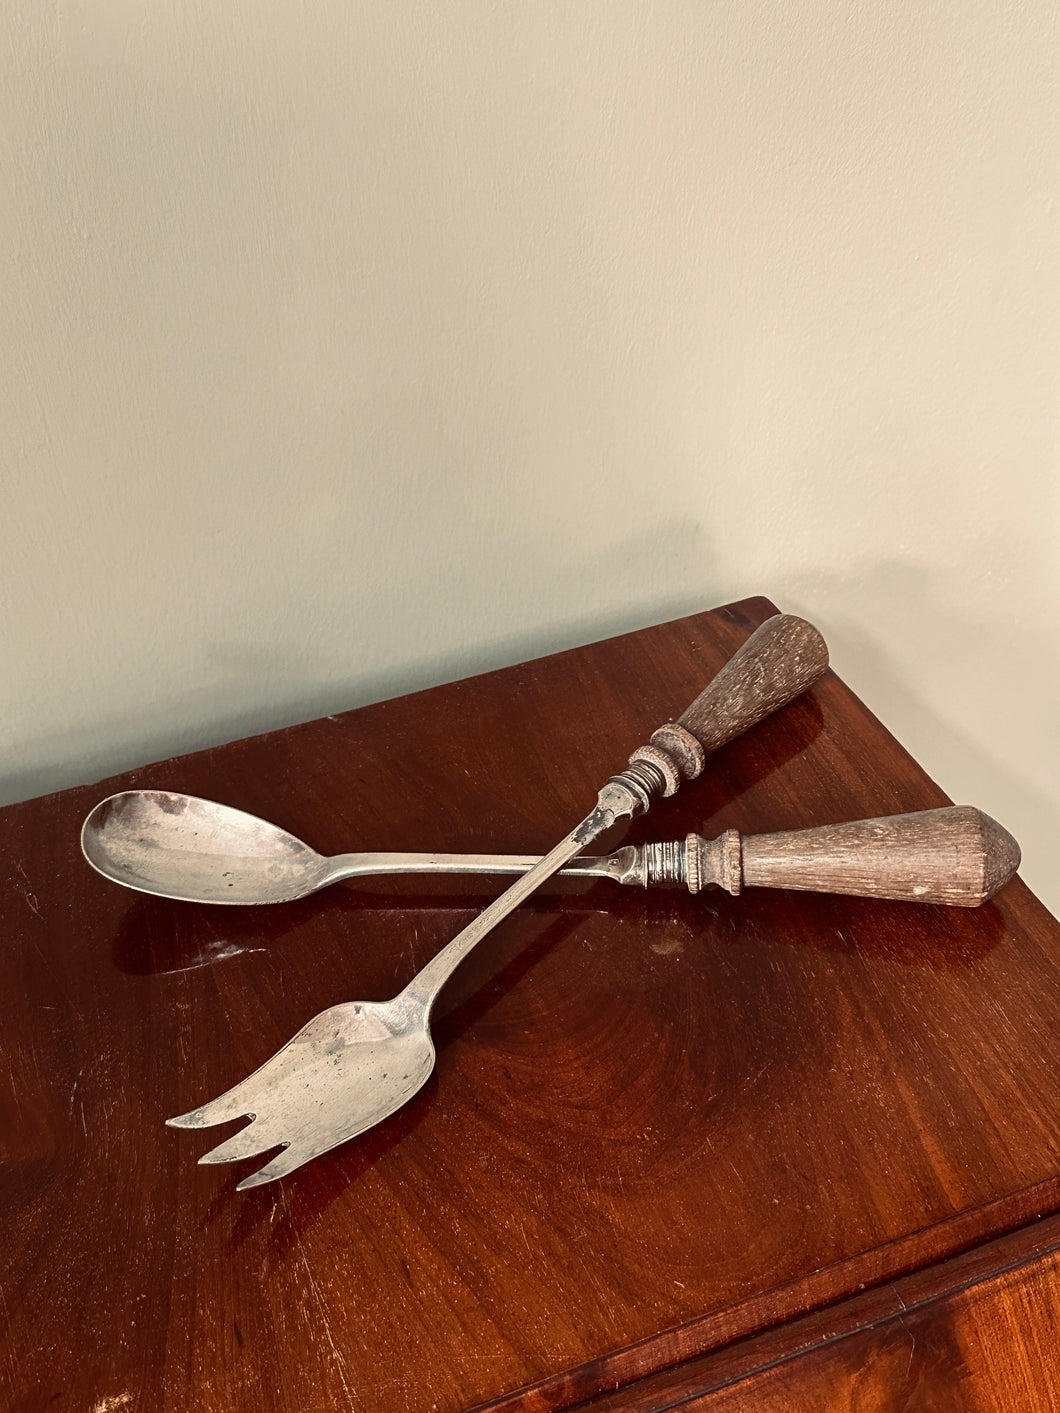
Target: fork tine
[(284, 1163), (253, 1139), (207, 1115), (235, 1103)]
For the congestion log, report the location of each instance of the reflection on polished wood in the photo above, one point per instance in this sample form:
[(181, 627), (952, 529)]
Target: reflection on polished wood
[(659, 1123)]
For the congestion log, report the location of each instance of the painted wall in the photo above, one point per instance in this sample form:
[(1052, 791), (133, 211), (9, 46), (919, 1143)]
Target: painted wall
[(350, 347)]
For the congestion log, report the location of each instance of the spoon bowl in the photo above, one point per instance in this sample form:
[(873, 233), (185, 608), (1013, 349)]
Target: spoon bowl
[(197, 851)]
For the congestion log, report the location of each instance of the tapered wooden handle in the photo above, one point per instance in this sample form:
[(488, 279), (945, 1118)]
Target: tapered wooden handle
[(956, 855), (781, 659)]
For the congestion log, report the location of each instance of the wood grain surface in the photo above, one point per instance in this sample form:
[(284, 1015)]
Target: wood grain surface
[(972, 1334), (957, 855), (989, 1349), (658, 1123)]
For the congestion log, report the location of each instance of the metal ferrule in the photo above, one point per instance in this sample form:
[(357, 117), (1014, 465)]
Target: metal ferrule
[(663, 863), (643, 779), (628, 794)]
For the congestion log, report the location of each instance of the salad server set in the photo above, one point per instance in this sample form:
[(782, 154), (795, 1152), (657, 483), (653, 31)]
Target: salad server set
[(356, 1063)]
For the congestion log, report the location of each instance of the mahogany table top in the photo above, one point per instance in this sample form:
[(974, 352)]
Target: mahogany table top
[(658, 1123)]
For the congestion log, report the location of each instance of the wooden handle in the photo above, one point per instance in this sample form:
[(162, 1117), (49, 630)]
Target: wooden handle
[(779, 661), (956, 855)]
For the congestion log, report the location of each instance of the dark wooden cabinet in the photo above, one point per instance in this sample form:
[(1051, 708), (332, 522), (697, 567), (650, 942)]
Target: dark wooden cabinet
[(684, 1151)]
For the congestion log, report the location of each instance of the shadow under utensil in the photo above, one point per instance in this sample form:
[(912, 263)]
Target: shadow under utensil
[(161, 935), (490, 973), (734, 771), (926, 936)]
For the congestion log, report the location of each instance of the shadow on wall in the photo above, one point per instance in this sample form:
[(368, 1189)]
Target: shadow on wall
[(514, 601), (971, 693)]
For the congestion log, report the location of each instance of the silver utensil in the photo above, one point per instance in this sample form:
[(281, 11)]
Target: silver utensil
[(198, 851), (193, 850), (356, 1063)]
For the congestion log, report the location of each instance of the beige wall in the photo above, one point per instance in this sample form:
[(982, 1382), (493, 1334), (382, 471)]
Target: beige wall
[(348, 347)]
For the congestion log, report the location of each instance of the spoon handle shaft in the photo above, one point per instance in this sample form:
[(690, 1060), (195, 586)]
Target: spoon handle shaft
[(957, 856), (376, 865)]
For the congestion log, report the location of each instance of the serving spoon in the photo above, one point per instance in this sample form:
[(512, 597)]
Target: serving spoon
[(198, 851), (192, 850)]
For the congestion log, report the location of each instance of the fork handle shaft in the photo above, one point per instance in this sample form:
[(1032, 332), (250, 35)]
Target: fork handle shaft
[(957, 855)]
